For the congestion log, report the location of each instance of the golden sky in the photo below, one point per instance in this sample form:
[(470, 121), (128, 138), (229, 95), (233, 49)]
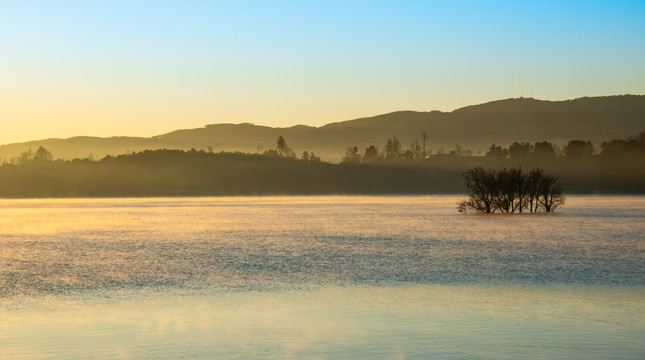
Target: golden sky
[(144, 68)]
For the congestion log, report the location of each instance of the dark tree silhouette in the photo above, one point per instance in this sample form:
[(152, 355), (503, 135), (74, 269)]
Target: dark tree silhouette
[(624, 147), (283, 149), (550, 192), (43, 155), (371, 154), (481, 189), (497, 152), (505, 194), (577, 150), (424, 136), (313, 158), (533, 188), (352, 156), (415, 149), (519, 151), (407, 155), (509, 191), (392, 148), (24, 158), (544, 150), (521, 189)]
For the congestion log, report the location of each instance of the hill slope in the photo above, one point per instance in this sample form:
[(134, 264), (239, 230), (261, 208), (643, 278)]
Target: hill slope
[(475, 127)]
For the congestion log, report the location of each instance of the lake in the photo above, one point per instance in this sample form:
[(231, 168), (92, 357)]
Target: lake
[(400, 277)]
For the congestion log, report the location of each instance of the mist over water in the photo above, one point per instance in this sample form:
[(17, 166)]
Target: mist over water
[(57, 246), (320, 277)]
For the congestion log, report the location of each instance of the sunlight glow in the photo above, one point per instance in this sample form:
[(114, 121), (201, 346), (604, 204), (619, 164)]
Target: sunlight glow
[(134, 68)]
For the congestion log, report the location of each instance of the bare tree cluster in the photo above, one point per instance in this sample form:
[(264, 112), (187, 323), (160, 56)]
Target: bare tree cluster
[(510, 190)]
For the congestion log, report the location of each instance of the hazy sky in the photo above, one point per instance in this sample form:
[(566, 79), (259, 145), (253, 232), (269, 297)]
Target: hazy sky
[(147, 67)]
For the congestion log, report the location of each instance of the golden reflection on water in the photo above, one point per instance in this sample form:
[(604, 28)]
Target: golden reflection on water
[(51, 246), (319, 277)]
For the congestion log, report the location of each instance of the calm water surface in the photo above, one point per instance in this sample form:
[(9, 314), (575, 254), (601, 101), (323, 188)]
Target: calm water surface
[(320, 277)]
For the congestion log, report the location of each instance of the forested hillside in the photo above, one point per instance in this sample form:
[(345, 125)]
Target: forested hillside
[(618, 167), (473, 127)]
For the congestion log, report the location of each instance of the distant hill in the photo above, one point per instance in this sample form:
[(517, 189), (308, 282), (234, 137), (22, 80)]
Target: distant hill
[(474, 127)]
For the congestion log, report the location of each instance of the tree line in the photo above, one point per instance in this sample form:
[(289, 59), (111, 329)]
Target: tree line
[(284, 151), (573, 150), (200, 173), (29, 157), (577, 150), (510, 190), (618, 169), (393, 151)]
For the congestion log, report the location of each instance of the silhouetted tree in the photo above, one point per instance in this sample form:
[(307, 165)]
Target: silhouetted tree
[(407, 155), (578, 150), (415, 148), (352, 156), (550, 191), (392, 148), (24, 158), (313, 158), (519, 151), (497, 152), (521, 189), (622, 147), (481, 189), (283, 149), (424, 136), (509, 190), (271, 153), (371, 154), (544, 150), (310, 157), (533, 188), (43, 155), (505, 194)]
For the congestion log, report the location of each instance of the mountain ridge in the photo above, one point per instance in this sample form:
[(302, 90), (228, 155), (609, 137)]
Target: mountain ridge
[(475, 127)]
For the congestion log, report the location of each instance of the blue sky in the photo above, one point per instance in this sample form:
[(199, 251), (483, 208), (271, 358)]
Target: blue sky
[(146, 67)]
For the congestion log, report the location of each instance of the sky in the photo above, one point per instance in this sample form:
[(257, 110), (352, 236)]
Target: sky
[(144, 68)]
